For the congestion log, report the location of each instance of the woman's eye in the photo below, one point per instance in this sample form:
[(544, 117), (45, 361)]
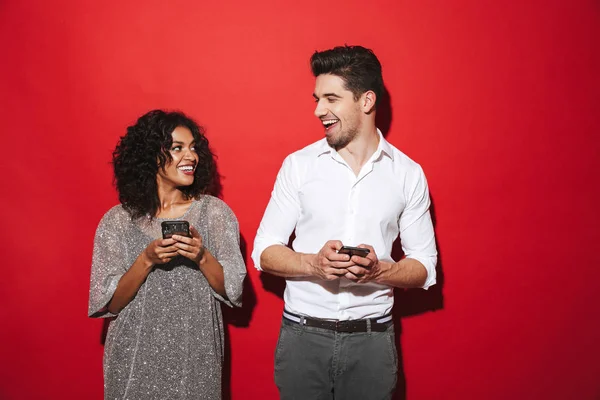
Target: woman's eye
[(176, 148)]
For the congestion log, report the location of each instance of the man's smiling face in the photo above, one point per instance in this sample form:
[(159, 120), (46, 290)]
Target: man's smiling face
[(338, 111)]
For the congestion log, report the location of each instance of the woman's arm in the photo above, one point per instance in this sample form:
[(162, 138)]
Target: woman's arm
[(159, 251), (193, 248), (222, 265)]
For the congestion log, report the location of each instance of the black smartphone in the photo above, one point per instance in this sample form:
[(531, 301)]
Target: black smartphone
[(170, 228), (354, 251)]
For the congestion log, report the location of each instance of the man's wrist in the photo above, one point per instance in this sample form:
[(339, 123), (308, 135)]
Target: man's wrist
[(306, 264), (383, 271)]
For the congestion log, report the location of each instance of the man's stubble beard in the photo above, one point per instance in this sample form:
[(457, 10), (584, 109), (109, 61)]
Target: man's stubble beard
[(345, 137)]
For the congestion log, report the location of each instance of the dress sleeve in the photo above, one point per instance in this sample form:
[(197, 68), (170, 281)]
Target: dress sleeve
[(109, 262), (225, 247)]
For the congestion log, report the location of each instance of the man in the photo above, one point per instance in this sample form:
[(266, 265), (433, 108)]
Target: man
[(350, 188)]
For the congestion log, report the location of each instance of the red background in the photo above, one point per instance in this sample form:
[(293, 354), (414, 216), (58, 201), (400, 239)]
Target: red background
[(498, 101)]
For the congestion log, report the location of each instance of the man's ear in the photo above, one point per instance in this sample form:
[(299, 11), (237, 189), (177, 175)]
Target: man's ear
[(368, 100)]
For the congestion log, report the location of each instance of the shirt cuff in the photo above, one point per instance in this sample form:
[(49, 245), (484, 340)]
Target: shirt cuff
[(260, 245), (429, 264)]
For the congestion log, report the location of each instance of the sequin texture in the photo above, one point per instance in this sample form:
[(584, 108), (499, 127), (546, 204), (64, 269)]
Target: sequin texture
[(167, 343)]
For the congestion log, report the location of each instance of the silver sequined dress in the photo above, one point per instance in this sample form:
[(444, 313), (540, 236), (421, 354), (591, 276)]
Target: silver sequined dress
[(167, 343)]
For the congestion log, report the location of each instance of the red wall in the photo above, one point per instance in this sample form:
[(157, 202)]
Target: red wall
[(498, 101)]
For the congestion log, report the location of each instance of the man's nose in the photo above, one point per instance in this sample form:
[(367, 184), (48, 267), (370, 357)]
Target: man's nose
[(320, 110)]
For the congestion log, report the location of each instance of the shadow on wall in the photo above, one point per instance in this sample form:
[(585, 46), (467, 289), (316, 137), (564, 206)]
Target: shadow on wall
[(413, 302), (383, 118), (239, 317)]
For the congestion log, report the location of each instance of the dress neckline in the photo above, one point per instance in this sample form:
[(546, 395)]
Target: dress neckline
[(194, 202)]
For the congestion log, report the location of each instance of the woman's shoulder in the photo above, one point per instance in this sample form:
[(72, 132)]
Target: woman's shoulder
[(213, 206), (210, 200), (116, 215)]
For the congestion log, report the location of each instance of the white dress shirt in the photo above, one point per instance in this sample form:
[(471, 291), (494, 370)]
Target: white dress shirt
[(317, 194)]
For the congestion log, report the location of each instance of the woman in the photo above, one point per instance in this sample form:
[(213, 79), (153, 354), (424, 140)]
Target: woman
[(166, 341)]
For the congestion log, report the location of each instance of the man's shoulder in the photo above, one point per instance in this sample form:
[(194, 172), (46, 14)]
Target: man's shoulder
[(403, 160)]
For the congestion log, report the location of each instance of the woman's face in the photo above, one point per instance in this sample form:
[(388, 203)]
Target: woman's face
[(180, 171)]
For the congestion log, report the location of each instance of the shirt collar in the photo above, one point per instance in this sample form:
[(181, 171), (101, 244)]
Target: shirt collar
[(383, 148)]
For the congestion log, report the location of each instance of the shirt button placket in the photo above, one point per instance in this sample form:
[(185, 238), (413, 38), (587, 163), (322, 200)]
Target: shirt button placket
[(352, 211)]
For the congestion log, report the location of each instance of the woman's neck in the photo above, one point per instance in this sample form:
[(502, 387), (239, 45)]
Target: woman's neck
[(172, 203)]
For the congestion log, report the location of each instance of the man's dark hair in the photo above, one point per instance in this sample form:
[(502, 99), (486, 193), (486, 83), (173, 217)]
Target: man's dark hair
[(144, 149), (357, 66)]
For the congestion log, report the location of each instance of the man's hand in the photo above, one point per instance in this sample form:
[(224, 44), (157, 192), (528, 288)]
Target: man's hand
[(191, 248), (366, 269), (327, 264)]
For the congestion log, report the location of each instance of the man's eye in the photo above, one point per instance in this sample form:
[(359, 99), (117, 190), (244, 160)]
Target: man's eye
[(331, 99)]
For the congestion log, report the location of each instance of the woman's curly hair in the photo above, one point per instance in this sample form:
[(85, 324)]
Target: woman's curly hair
[(144, 149)]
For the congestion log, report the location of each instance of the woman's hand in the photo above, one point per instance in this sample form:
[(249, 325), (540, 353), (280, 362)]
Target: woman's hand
[(161, 251), (191, 248)]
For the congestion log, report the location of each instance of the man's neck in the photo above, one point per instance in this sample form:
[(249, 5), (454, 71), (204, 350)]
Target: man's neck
[(360, 150)]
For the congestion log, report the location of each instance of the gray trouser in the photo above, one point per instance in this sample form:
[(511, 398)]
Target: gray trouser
[(318, 364)]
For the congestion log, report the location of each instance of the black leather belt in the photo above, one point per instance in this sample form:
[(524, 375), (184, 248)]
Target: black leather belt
[(379, 324)]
